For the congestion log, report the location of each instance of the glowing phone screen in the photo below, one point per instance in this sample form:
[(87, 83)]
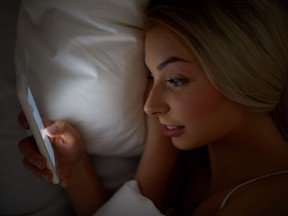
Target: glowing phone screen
[(41, 127)]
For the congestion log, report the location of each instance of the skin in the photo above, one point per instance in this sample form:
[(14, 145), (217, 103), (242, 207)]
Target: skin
[(185, 112), (182, 95)]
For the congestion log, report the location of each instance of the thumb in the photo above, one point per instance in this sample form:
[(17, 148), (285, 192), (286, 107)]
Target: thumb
[(52, 130), (63, 132), (55, 133)]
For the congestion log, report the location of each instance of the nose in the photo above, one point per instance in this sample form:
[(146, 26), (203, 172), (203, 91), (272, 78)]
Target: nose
[(156, 103)]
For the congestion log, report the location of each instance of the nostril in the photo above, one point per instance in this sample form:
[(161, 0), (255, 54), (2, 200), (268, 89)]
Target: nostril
[(149, 111), (155, 113)]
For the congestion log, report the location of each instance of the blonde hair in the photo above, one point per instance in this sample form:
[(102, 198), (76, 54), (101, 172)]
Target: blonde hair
[(242, 46)]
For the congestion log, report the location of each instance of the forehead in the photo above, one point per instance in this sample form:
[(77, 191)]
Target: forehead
[(161, 44)]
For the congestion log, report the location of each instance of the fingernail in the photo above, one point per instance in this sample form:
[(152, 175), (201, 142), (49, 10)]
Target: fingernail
[(51, 129), (38, 164)]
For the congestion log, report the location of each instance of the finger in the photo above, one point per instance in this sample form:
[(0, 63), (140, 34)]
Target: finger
[(29, 149), (44, 173), (63, 132), (23, 121)]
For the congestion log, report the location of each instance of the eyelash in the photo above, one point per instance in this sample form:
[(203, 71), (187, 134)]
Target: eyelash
[(173, 82), (176, 82)]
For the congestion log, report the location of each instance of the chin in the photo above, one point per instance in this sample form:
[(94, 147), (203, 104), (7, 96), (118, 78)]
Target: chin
[(184, 144)]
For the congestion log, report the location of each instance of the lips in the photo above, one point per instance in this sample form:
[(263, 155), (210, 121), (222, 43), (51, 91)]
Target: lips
[(173, 130)]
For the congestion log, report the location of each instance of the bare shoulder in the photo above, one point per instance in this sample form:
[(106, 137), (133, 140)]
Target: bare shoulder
[(267, 196)]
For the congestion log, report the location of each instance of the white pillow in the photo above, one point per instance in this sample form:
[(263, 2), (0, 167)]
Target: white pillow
[(84, 62)]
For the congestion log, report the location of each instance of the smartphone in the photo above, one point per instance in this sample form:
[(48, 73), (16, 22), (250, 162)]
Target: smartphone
[(33, 117)]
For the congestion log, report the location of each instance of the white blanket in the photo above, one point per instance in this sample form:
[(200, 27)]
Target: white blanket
[(129, 201)]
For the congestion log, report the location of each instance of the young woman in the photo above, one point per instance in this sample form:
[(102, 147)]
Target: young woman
[(217, 117)]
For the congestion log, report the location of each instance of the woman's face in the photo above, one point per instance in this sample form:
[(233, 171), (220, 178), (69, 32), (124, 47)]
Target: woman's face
[(193, 113)]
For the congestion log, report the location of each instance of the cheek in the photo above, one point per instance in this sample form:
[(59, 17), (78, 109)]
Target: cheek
[(206, 123), (210, 116), (202, 105)]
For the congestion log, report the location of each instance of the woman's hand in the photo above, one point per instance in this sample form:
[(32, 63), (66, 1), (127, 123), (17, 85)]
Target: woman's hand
[(67, 145), (76, 174)]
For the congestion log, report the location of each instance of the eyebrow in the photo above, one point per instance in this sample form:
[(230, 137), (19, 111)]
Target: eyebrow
[(169, 60)]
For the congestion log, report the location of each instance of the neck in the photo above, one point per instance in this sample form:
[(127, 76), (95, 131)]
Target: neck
[(256, 148)]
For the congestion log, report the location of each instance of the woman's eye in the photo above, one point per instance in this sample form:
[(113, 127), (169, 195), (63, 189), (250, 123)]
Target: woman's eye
[(176, 82)]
